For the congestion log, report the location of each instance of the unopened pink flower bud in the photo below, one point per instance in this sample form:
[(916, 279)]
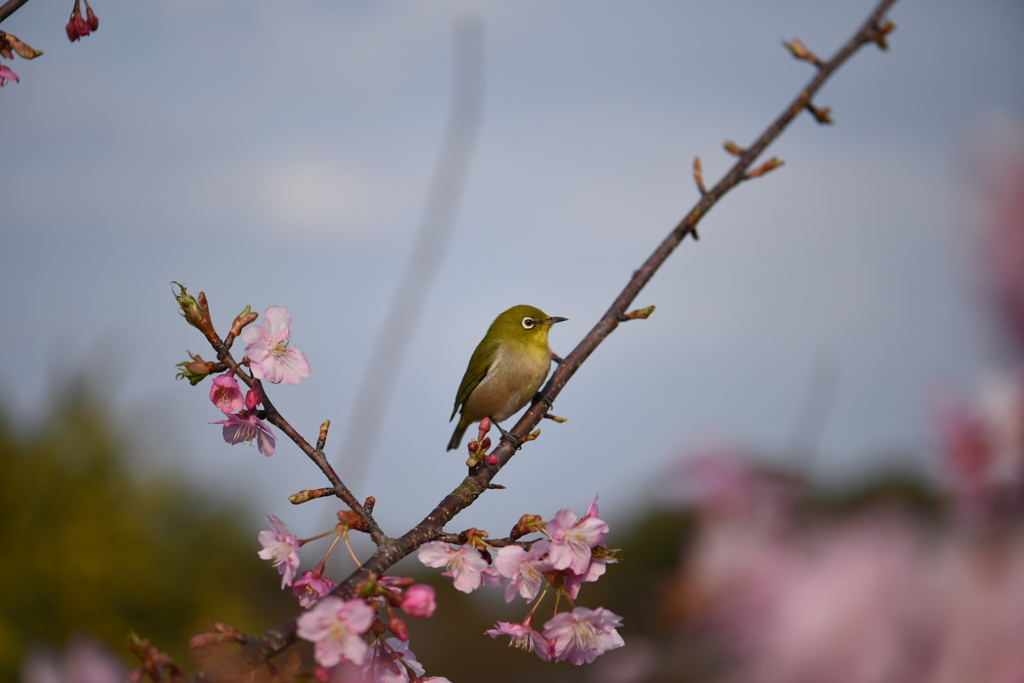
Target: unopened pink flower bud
[(78, 26), (91, 18), (419, 601), (398, 627), (253, 397)]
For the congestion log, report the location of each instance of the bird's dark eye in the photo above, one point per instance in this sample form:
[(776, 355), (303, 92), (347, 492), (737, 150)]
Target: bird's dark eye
[(528, 323)]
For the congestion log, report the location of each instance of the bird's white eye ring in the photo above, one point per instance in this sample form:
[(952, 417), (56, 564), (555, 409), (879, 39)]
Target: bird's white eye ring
[(528, 323)]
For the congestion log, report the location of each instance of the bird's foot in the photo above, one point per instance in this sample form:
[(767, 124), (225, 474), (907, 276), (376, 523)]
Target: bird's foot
[(541, 396), (516, 442)]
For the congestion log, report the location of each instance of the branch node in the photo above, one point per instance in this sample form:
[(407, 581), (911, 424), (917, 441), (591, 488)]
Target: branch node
[(495, 486), (881, 32), (557, 419)]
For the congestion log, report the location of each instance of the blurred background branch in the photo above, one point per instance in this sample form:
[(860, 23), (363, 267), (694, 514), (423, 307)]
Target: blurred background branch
[(408, 303)]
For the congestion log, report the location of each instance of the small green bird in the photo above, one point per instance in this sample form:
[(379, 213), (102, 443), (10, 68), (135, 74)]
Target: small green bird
[(506, 370)]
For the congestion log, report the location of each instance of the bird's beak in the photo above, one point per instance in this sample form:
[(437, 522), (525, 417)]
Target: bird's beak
[(553, 320)]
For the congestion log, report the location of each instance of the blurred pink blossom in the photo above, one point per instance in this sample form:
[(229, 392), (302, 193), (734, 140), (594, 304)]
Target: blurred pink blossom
[(391, 661), (524, 637), (419, 601), (83, 660), (998, 217), (583, 634), (282, 548), (310, 587), (336, 628)]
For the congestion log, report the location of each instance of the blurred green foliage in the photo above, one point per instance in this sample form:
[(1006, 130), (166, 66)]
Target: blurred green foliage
[(100, 550)]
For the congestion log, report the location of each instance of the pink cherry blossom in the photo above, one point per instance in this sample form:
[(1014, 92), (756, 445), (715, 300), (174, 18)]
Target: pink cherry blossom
[(336, 628), (523, 637), (523, 568), (226, 395), (464, 565), (310, 587), (596, 570), (282, 548), (583, 634), (238, 429), (391, 662), (572, 540), (6, 74), (419, 601), (267, 346)]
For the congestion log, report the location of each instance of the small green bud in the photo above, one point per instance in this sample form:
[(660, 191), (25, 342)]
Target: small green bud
[(190, 309), (188, 373)]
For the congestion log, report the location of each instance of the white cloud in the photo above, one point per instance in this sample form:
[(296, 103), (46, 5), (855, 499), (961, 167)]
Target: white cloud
[(313, 196)]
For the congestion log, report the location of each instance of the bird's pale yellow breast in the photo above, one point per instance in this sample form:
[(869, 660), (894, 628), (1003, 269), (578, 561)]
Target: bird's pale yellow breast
[(513, 378)]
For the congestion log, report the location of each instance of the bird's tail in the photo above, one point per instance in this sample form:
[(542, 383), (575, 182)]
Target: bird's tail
[(456, 439)]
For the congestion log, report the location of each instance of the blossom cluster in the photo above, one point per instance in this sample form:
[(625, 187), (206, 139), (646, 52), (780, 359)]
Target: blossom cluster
[(346, 634), (270, 357), (570, 554), (362, 637)]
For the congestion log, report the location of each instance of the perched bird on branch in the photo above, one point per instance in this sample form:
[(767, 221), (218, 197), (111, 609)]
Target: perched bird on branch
[(507, 368)]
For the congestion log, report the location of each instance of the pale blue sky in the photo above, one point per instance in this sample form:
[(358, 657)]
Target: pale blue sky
[(274, 153)]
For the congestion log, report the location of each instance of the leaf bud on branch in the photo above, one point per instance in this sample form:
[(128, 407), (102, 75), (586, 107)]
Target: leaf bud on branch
[(769, 165), (698, 176), (638, 314), (800, 51)]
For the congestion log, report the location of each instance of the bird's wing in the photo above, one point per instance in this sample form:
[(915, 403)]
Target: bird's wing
[(470, 380)]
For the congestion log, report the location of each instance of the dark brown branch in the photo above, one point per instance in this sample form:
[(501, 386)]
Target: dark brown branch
[(10, 7), (431, 528)]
